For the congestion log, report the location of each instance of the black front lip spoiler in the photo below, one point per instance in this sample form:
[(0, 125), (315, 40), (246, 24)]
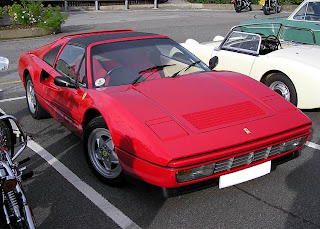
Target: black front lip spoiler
[(171, 192)]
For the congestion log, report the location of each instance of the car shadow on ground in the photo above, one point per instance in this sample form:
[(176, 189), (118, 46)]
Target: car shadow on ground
[(303, 182), (138, 200)]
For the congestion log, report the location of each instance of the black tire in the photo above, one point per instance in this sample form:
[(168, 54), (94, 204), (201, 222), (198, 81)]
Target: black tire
[(237, 8), (102, 158), (281, 84), (279, 9), (7, 136), (266, 10), (35, 109)]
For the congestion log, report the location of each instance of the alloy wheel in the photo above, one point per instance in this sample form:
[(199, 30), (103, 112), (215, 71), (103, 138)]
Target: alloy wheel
[(102, 154), (31, 97)]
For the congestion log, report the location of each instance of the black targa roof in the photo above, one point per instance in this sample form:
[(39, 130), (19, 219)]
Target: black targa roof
[(85, 41)]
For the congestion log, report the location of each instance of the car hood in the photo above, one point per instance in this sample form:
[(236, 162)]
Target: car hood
[(203, 102), (172, 118), (307, 54)]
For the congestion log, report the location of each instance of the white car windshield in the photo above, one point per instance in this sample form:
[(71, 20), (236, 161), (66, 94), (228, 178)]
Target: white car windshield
[(309, 12), (241, 41)]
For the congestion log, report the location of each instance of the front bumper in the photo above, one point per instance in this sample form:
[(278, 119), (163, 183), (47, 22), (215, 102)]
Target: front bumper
[(170, 192), (232, 160)]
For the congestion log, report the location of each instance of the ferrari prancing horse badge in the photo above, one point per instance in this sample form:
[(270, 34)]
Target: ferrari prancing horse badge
[(247, 131)]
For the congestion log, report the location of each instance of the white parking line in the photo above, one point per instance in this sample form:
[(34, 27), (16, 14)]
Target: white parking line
[(12, 99), (313, 145), (104, 205)]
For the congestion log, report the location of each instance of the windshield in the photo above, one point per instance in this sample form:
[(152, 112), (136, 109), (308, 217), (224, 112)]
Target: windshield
[(286, 34), (309, 12), (263, 28), (241, 41), (135, 61)]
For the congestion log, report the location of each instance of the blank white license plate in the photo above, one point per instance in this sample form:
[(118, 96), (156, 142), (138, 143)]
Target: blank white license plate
[(244, 175)]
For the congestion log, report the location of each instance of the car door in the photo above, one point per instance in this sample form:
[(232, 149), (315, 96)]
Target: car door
[(238, 52), (65, 101), (234, 61)]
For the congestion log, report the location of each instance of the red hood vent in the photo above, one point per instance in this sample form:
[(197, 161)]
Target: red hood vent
[(223, 115)]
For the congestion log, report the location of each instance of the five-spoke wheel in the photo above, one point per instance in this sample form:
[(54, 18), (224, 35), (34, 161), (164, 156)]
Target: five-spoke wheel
[(35, 108), (101, 154)]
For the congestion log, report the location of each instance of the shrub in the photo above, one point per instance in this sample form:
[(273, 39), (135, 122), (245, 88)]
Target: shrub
[(52, 18), (34, 13), (2, 12), (285, 2)]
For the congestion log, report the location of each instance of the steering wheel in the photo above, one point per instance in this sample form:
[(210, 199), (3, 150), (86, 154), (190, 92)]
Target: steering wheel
[(121, 75), (273, 42), (119, 68)]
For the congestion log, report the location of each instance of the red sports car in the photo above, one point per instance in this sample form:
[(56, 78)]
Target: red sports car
[(146, 107)]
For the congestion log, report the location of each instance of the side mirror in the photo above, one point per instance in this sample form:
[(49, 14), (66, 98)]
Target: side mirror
[(4, 64), (63, 81), (213, 62)]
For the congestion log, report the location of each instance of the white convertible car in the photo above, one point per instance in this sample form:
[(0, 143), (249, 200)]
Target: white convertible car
[(291, 69)]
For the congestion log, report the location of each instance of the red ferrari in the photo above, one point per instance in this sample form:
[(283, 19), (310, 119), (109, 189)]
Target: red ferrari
[(146, 107)]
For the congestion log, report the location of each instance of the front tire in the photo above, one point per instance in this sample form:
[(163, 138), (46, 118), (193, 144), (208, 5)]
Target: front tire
[(266, 10), (281, 84), (6, 136), (237, 8), (35, 109), (279, 9), (100, 153)]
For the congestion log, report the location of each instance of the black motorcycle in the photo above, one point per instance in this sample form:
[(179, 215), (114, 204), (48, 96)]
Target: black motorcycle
[(14, 209), (271, 5), (240, 5), (15, 212)]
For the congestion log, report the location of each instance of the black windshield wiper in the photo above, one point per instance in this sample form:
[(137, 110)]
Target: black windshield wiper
[(186, 68), (158, 67)]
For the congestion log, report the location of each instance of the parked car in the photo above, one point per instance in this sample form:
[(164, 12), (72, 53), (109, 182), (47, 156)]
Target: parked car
[(306, 15), (289, 68), (146, 107)]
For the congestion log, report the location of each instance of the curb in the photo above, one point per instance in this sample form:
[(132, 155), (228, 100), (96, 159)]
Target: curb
[(23, 33), (212, 6)]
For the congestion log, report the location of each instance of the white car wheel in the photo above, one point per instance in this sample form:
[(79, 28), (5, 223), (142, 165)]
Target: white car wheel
[(281, 84)]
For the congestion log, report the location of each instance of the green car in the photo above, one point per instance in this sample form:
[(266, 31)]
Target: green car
[(305, 18)]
